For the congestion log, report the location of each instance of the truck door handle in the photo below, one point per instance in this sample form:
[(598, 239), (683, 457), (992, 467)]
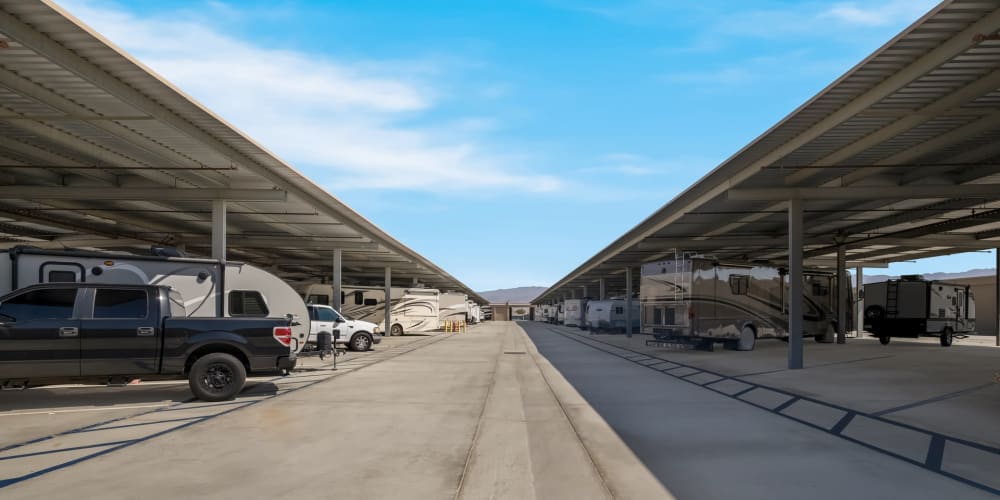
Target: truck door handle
[(69, 331), (145, 331)]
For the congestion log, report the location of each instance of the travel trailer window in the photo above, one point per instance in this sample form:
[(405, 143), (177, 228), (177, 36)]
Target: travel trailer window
[(318, 299), (820, 285), (739, 284), (619, 310), (247, 303), (657, 316), (120, 304), (62, 277), (41, 304)]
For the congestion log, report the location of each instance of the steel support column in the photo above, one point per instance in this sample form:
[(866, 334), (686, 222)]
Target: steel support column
[(859, 290), (842, 302), (601, 290), (795, 237), (388, 302), (338, 278), (628, 301), (996, 279), (219, 230)]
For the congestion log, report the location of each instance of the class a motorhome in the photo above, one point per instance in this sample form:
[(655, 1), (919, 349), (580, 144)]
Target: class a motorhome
[(912, 306), (574, 311), (690, 298), (412, 309), (609, 315), (208, 287), (453, 306)]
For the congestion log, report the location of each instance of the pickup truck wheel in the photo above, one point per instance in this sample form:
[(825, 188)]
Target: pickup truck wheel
[(361, 343), (217, 377)]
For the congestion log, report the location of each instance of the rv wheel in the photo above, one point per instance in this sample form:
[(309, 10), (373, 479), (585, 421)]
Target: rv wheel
[(396, 329), (946, 336), (884, 339), (748, 338)]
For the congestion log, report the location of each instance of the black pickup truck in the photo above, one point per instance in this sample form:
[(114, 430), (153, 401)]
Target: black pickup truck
[(79, 332)]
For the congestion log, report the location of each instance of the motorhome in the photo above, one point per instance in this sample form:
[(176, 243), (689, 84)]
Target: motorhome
[(699, 298), (453, 306), (913, 306), (574, 311), (241, 290), (609, 315), (412, 309)]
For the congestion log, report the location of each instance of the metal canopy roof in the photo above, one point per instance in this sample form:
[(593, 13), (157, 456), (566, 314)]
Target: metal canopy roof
[(899, 159), (97, 151)]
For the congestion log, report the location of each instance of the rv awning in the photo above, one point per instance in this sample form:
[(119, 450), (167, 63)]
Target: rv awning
[(100, 152), (899, 159)]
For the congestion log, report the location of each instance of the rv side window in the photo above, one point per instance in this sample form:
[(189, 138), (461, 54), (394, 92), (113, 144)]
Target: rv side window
[(120, 304), (318, 299), (739, 284), (247, 303), (40, 304), (343, 298), (619, 310), (657, 315), (820, 287), (62, 277), (371, 302), (359, 298)]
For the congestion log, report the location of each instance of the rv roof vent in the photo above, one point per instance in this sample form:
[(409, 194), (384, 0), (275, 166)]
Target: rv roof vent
[(165, 251), (912, 277)]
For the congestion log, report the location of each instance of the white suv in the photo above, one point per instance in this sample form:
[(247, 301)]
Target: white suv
[(358, 335)]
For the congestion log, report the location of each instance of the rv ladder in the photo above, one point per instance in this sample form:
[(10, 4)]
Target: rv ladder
[(892, 298)]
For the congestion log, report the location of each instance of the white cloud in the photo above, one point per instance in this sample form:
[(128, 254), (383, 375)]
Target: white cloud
[(350, 122), (879, 14)]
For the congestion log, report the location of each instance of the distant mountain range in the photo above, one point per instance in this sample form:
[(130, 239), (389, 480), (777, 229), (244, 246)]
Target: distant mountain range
[(972, 273), (519, 295)]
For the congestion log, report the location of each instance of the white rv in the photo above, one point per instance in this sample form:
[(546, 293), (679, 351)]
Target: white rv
[(701, 298), (475, 313), (453, 306), (242, 290), (912, 306), (609, 315), (574, 311), (412, 309)]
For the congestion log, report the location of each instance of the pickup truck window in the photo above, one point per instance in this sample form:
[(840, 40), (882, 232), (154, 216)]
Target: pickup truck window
[(121, 304), (41, 304), (247, 303), (323, 314)]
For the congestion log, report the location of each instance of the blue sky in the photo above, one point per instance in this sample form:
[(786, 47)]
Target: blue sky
[(507, 141)]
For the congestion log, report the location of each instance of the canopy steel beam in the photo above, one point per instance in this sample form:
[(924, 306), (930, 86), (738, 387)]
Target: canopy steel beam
[(923, 191), (139, 194)]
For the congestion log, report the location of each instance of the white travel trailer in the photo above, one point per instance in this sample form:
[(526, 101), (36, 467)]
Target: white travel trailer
[(242, 290), (412, 309), (453, 306), (700, 298), (574, 311), (545, 313), (912, 306), (475, 312), (610, 315)]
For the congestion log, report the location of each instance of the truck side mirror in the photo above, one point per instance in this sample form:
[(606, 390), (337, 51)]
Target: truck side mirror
[(338, 320)]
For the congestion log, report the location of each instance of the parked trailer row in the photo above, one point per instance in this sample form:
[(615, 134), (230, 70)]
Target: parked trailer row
[(78, 315)]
